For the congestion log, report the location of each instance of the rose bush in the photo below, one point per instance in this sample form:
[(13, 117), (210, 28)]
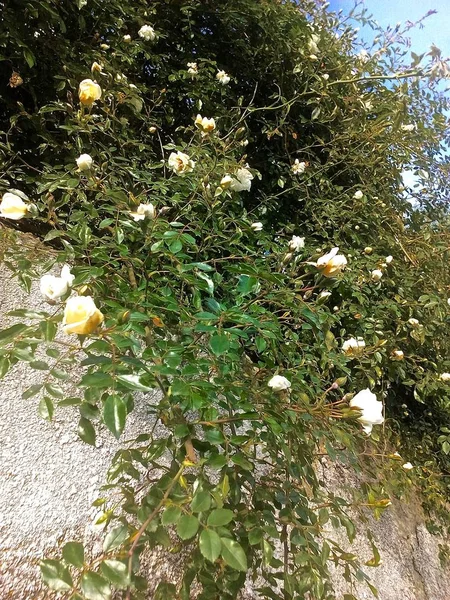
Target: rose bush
[(268, 349)]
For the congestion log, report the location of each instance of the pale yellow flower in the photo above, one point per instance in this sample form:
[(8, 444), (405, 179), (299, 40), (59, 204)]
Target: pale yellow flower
[(81, 316), (89, 92)]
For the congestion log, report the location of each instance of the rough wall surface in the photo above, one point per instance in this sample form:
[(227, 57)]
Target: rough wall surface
[(49, 478)]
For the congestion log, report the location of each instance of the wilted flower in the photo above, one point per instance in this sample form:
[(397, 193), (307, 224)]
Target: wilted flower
[(388, 259), (180, 163), (279, 383), (13, 207), (226, 181), (204, 124), (147, 33), (242, 180), (223, 78), (414, 323), (96, 67), (408, 466), (376, 275), (296, 243), (257, 226), (445, 377), (127, 38), (397, 355), (192, 68), (85, 162), (143, 211), (81, 316), (358, 195), (298, 167), (331, 264), (89, 92), (53, 287), (371, 409), (353, 347)]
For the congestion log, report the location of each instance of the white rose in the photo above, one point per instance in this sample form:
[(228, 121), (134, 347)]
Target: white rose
[(81, 316), (204, 124), (223, 78), (445, 377), (257, 226), (242, 180), (358, 195), (85, 162), (226, 181), (143, 211), (180, 163), (407, 466), (296, 243), (388, 259), (192, 68), (279, 383), (127, 39), (147, 33), (13, 207), (371, 409), (376, 275), (331, 264), (298, 167), (89, 92), (414, 323), (353, 347), (410, 127), (326, 76), (397, 355), (53, 287)]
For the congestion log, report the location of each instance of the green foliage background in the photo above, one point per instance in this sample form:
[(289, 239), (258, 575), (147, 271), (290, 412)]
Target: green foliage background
[(206, 309)]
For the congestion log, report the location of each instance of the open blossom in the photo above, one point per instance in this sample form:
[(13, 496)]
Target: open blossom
[(298, 167), (407, 466), (192, 68), (353, 347), (358, 195), (204, 124), (279, 383), (53, 287), (257, 226), (397, 355), (85, 162), (223, 78), (296, 243), (376, 275), (180, 163), (143, 211), (81, 316), (331, 264), (226, 181), (371, 409), (242, 180), (89, 92), (445, 377), (147, 33), (13, 207), (414, 323)]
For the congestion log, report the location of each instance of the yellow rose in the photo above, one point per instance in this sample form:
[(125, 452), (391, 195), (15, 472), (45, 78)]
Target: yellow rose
[(13, 207), (89, 92), (81, 315)]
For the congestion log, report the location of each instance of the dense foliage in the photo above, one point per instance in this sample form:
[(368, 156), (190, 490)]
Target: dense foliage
[(196, 248)]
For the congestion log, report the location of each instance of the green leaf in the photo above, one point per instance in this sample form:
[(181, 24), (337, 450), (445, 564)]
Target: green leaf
[(39, 365), (95, 587), (31, 391), (210, 545), (73, 553), (171, 515), (115, 414), (46, 408), (86, 431), (219, 343), (233, 554), (187, 527), (98, 380), (54, 390), (201, 502), (116, 572), (12, 332), (29, 57), (56, 575), (134, 383), (115, 538), (219, 517)]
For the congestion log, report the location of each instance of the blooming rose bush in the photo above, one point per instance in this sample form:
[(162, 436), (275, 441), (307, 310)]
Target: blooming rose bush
[(262, 267)]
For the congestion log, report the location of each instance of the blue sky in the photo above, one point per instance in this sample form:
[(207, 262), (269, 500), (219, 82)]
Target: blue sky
[(436, 28)]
